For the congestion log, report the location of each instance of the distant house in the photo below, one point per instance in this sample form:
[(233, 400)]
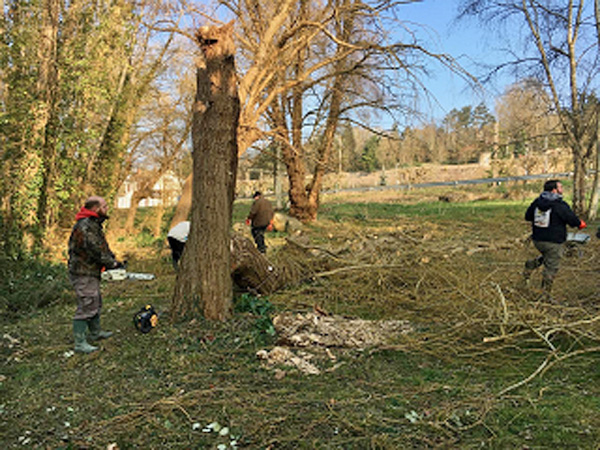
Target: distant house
[(166, 191)]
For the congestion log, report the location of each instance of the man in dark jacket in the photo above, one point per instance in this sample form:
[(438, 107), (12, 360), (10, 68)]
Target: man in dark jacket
[(89, 255), (261, 218), (549, 215)]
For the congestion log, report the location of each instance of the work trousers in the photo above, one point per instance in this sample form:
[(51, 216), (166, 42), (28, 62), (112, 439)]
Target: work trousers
[(551, 256), (89, 299)]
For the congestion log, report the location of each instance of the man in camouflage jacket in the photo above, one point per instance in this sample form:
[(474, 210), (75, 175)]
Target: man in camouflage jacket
[(89, 254)]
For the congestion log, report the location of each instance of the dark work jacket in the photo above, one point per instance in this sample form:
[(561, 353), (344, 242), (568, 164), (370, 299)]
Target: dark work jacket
[(560, 215), (88, 249)]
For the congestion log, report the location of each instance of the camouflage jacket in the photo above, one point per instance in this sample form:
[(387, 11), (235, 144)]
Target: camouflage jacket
[(88, 249)]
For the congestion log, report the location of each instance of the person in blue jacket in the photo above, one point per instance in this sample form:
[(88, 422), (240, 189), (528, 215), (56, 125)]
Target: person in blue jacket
[(549, 215)]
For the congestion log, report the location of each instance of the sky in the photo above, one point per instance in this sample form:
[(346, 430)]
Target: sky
[(468, 43)]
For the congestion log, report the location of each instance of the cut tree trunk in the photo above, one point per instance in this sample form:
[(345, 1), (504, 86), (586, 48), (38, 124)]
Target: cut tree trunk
[(204, 284), (250, 269)]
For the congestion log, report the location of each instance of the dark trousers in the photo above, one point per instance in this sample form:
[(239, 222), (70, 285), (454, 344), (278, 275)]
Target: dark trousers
[(176, 249), (258, 233), (551, 254)]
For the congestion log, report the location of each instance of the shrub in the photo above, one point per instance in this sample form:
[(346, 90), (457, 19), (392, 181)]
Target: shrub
[(28, 284)]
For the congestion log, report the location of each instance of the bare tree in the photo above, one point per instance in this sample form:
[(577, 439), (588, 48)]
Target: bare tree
[(309, 67), (564, 55), (312, 67), (204, 283), (160, 138), (595, 197)]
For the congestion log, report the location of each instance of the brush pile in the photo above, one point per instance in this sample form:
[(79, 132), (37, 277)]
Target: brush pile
[(463, 297)]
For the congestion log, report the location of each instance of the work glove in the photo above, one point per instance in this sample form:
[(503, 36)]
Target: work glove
[(247, 221), (582, 225), (270, 226)]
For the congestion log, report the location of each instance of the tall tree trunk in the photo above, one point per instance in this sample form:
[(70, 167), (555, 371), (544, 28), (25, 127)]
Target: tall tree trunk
[(132, 211), (294, 154), (204, 283), (106, 167), (595, 197), (344, 32), (594, 200), (159, 212), (579, 176), (277, 185), (325, 149), (48, 92)]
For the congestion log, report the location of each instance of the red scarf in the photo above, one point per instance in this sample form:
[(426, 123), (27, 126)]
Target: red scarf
[(84, 213)]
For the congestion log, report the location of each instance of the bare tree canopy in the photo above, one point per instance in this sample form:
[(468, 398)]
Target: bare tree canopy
[(560, 48), (306, 68)]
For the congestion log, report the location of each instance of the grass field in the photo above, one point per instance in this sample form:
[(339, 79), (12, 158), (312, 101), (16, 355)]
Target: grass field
[(486, 365)]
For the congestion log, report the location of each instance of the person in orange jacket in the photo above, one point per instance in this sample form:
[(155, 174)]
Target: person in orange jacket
[(549, 215), (261, 218)]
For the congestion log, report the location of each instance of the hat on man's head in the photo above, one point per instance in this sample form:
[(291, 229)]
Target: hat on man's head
[(257, 194)]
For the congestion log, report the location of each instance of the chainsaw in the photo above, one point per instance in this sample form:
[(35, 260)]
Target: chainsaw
[(122, 274)]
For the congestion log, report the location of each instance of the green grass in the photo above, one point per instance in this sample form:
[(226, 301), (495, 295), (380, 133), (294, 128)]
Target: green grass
[(461, 212), (155, 390)]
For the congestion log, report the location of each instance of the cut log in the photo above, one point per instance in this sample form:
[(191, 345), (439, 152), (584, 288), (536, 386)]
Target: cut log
[(251, 270)]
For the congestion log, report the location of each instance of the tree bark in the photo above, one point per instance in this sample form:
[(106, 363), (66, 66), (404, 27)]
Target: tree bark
[(204, 283), (132, 211), (48, 92)]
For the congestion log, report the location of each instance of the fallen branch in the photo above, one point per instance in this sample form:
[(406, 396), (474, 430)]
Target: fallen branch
[(528, 379), (546, 365), (312, 247), (359, 267)]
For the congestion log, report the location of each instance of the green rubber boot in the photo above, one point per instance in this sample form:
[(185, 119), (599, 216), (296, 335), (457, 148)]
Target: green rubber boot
[(96, 332), (79, 330)]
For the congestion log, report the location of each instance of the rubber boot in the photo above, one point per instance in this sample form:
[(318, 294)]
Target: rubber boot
[(96, 332), (533, 264), (79, 330), (530, 266), (547, 289)]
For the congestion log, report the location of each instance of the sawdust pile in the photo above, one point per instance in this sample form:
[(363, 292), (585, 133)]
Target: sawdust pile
[(312, 329), (321, 333), (286, 357)]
